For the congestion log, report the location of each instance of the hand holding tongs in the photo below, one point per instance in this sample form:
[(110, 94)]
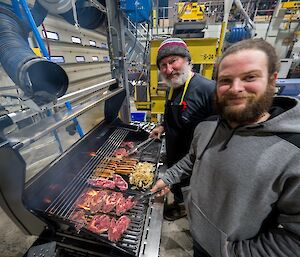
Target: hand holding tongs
[(133, 150), (146, 195)]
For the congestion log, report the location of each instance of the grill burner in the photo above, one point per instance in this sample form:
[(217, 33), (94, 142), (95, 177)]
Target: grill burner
[(62, 208)]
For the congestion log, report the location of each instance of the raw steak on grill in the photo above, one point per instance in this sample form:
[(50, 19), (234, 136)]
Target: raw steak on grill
[(85, 199), (121, 152), (78, 217), (120, 182), (98, 201), (128, 144), (111, 201), (102, 182), (99, 224), (124, 205), (117, 228), (123, 223)]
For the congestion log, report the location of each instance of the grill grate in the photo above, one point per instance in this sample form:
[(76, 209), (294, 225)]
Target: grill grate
[(131, 238), (62, 205)]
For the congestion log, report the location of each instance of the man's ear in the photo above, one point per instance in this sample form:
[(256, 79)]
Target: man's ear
[(273, 79)]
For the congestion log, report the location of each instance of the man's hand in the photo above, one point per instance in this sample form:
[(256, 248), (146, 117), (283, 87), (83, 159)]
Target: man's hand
[(157, 132), (160, 184)]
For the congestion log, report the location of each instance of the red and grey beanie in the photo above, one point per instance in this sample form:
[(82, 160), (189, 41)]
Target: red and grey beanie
[(172, 46)]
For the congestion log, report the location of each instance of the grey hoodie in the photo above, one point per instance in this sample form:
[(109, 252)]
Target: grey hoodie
[(245, 186)]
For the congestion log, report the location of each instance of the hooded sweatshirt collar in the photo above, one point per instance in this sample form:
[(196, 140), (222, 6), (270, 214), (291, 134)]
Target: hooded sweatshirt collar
[(285, 118)]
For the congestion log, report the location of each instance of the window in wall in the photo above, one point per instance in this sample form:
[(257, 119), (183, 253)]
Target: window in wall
[(95, 58), (57, 59), (51, 35), (103, 45), (92, 43), (76, 40), (80, 59), (106, 58)]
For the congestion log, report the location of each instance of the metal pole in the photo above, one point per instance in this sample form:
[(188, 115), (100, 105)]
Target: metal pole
[(16, 8), (34, 28), (117, 37), (76, 123)]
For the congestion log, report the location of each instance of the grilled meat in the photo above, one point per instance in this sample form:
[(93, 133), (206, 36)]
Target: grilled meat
[(117, 228), (124, 205), (120, 182), (99, 224), (79, 219)]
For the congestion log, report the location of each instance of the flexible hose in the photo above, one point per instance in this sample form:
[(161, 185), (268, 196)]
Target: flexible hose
[(41, 80), (89, 17)]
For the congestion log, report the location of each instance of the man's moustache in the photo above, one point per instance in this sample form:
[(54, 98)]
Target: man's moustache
[(173, 74)]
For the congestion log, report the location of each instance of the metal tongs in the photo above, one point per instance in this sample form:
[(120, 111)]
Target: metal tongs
[(146, 195), (137, 147)]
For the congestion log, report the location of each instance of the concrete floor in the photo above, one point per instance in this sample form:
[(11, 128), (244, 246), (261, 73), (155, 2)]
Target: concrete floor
[(13, 243), (176, 240)]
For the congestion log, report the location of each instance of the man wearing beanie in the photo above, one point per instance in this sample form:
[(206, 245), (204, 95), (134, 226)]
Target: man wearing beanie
[(189, 101)]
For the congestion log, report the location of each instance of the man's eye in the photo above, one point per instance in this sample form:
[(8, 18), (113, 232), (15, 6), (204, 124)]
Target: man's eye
[(250, 78), (224, 81)]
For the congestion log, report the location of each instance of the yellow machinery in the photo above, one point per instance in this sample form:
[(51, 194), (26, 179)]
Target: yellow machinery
[(188, 11), (291, 5), (191, 22), (203, 51)]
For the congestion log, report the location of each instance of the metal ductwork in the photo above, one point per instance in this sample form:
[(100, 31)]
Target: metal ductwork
[(41, 80), (88, 16), (56, 6)]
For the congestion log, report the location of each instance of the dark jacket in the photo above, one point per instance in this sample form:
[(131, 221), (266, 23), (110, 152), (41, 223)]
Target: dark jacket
[(180, 121), (245, 185)]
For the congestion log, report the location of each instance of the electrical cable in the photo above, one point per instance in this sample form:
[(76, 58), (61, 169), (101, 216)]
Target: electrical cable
[(47, 40)]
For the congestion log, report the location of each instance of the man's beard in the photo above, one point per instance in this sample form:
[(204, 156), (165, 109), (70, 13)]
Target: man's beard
[(182, 76), (254, 109)]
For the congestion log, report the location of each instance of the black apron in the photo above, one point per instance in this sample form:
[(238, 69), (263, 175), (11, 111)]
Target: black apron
[(176, 142)]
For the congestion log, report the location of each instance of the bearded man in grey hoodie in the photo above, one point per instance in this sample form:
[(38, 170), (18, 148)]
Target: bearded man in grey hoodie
[(244, 164)]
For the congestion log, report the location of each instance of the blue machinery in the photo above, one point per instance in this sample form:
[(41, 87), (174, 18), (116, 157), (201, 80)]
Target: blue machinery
[(236, 34), (138, 11), (288, 87)]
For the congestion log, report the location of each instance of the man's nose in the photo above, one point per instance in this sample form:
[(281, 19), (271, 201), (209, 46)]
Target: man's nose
[(237, 85), (169, 69)]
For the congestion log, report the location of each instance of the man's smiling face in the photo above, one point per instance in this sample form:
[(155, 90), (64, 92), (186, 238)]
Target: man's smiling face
[(244, 89)]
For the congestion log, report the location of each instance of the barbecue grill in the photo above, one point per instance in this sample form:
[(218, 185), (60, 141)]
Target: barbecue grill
[(44, 204)]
